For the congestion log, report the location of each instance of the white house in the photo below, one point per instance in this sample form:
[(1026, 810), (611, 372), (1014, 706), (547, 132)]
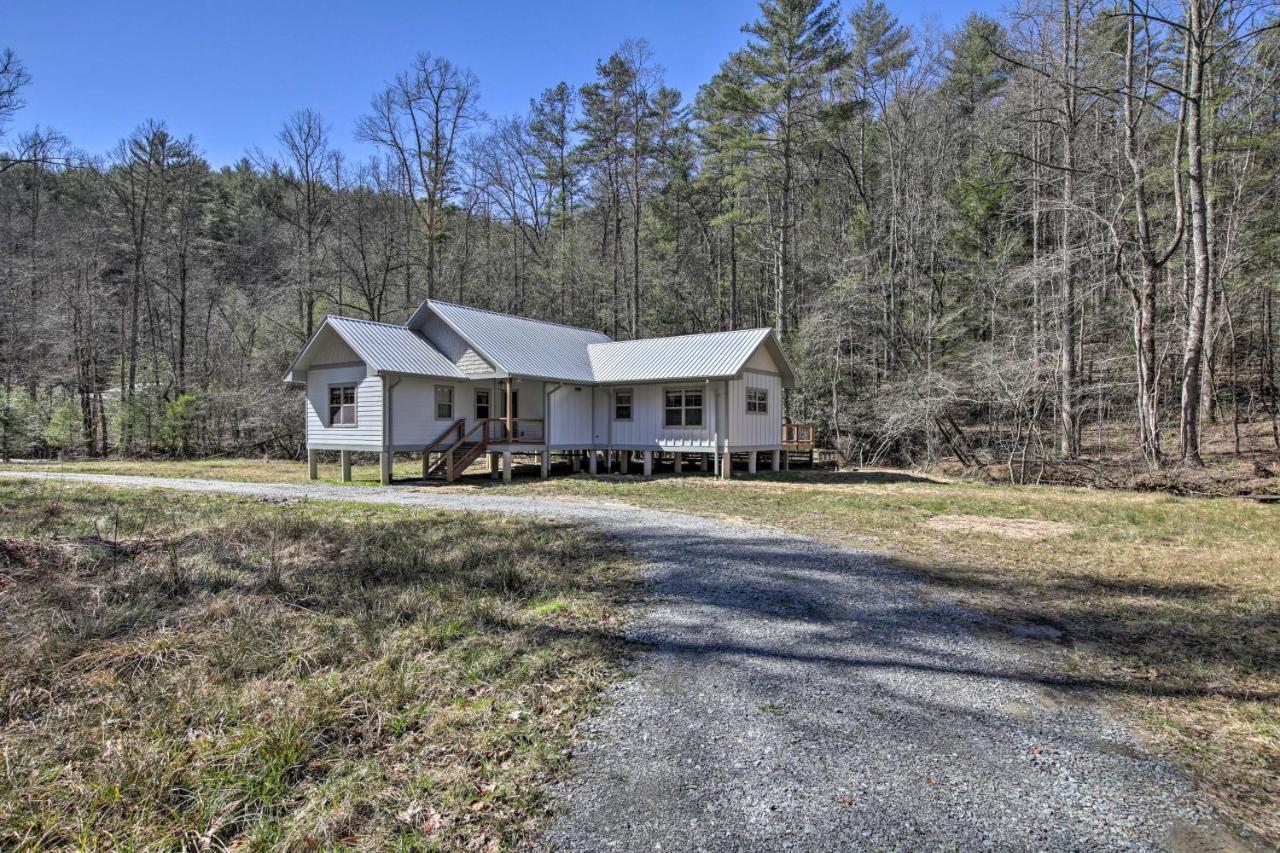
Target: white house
[(456, 382)]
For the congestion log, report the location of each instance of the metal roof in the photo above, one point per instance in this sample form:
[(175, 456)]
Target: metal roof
[(711, 355), (386, 348), (519, 345)]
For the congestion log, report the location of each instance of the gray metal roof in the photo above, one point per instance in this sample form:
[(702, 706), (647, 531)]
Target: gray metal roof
[(710, 355), (386, 348), (522, 346)]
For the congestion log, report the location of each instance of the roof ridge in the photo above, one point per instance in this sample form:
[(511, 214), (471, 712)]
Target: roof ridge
[(516, 316), (368, 322), (685, 335)]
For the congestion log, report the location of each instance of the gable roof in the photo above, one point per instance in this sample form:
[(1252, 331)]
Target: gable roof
[(384, 347), (710, 355), (519, 346)]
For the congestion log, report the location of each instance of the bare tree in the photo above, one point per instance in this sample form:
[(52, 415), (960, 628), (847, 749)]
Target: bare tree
[(421, 119)]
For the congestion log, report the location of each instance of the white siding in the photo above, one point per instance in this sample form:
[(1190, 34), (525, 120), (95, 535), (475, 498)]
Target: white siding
[(332, 349), (751, 429), (646, 429), (571, 416), (367, 433), (413, 409)]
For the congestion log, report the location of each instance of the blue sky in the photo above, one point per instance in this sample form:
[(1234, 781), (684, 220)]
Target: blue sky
[(230, 72)]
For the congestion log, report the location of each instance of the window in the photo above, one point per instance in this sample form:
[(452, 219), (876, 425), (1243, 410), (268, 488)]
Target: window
[(684, 407), (482, 404), (757, 401), (444, 403), (342, 405), (622, 401)]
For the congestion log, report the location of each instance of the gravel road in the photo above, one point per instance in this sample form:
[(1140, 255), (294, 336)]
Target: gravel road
[(793, 695)]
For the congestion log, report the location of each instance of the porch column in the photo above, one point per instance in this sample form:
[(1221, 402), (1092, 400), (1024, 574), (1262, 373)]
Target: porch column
[(546, 464), (506, 466), (344, 459), (751, 462), (648, 463), (777, 460), (593, 462), (704, 463), (384, 460), (679, 462), (313, 463)]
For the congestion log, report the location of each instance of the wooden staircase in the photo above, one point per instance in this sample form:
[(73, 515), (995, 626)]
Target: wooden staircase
[(455, 449)]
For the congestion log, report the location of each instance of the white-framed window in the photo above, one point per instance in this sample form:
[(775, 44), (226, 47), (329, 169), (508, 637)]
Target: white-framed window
[(757, 401), (623, 402), (683, 407), (482, 404), (444, 402), (342, 405)]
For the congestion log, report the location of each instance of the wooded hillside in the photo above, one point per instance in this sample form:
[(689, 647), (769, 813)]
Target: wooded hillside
[(987, 243)]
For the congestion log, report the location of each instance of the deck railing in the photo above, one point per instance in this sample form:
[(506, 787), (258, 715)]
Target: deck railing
[(798, 436), (521, 431)]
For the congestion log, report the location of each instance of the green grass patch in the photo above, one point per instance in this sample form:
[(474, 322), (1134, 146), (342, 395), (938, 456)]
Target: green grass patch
[(188, 671)]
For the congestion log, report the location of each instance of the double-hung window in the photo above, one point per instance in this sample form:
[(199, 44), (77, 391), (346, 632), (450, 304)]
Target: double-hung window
[(683, 407), (342, 405), (757, 401), (482, 404), (623, 399), (444, 402)]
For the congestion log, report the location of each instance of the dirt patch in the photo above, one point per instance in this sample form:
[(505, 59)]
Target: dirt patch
[(1026, 529)]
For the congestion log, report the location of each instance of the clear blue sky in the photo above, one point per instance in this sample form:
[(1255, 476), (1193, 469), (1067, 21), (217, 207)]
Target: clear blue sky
[(229, 72)]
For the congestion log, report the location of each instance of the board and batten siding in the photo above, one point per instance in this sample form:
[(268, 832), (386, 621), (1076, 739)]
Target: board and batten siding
[(367, 432), (571, 417), (647, 430), (751, 429)]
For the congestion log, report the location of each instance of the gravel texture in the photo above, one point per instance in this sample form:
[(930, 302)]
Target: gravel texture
[(793, 695)]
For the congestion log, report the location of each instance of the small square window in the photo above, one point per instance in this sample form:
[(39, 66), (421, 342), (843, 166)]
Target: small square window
[(342, 405), (757, 401), (444, 402), (622, 404)]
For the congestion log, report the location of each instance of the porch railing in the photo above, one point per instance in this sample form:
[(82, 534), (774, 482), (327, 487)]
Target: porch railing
[(521, 431)]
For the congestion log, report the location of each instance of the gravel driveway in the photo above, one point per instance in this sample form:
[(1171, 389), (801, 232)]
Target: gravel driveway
[(797, 695)]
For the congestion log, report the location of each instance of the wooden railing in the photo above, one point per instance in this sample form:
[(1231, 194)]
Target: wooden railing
[(798, 436), (521, 431), (453, 460)]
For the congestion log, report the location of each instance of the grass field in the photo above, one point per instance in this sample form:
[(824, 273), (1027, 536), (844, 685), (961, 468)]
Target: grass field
[(1169, 606), (197, 671)]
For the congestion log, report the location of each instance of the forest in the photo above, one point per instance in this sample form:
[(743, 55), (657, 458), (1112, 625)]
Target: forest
[(1031, 240)]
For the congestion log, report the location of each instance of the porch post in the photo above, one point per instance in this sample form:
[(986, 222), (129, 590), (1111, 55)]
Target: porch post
[(752, 456), (313, 463), (384, 459), (648, 463), (493, 466), (777, 460), (510, 403), (704, 463), (593, 462), (344, 459), (679, 462), (575, 459), (545, 465), (506, 466)]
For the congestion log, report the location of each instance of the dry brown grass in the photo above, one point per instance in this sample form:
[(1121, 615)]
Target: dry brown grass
[(190, 671)]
